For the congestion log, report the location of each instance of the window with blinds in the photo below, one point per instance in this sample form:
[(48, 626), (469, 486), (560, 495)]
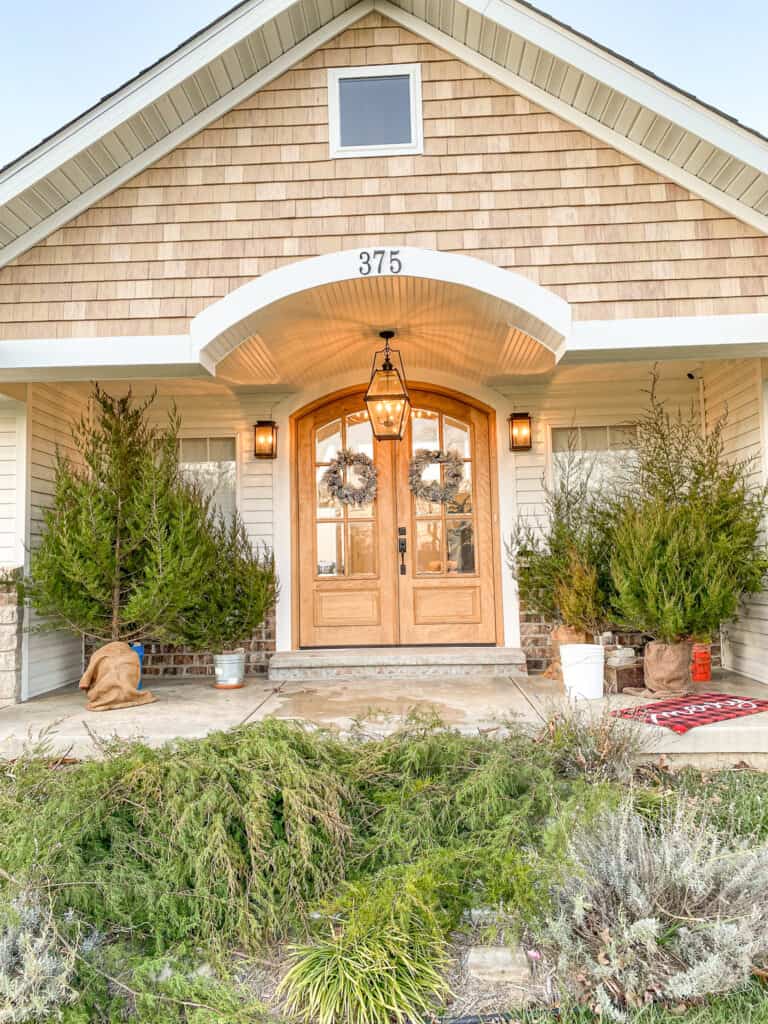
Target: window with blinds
[(599, 451)]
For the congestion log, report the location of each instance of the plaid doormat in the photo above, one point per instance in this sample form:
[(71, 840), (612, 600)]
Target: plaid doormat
[(692, 709)]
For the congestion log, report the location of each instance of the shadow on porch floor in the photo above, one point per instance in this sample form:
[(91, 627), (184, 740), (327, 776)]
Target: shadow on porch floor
[(193, 708)]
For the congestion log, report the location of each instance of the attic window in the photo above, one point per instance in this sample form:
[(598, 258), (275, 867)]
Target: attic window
[(375, 111)]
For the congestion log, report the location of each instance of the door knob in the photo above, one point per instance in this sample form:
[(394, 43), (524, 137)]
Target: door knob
[(402, 547)]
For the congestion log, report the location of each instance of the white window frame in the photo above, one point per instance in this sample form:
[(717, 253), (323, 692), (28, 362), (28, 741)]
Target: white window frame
[(190, 434), (416, 145), (588, 424)]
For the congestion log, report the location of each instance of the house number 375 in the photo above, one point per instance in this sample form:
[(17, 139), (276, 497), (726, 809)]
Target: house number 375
[(380, 261)]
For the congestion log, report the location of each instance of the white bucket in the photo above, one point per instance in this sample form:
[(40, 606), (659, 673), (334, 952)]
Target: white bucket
[(582, 670), (229, 669)]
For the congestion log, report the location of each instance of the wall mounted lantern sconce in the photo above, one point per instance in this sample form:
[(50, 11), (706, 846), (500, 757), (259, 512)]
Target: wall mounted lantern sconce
[(265, 440), (520, 432)]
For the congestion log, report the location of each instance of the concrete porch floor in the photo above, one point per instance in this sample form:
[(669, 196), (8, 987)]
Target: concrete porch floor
[(192, 708)]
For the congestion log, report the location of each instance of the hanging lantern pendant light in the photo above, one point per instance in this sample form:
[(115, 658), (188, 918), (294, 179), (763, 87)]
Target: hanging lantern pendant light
[(387, 400)]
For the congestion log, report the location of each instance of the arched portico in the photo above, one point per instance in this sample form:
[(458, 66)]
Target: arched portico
[(442, 304), (463, 325)]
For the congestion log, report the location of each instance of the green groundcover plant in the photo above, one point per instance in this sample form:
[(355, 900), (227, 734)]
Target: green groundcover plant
[(154, 873), (357, 853)]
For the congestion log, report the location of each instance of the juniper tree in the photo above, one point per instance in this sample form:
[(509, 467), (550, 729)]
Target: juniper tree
[(688, 541), (126, 543), (241, 591)]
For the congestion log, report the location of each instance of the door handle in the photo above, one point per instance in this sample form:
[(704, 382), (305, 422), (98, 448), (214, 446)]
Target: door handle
[(402, 547)]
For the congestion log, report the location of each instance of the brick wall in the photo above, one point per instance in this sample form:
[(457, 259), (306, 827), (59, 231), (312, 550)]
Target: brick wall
[(11, 622), (536, 643), (163, 661), (166, 661)]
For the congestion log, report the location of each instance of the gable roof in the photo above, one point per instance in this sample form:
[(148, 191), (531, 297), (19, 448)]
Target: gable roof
[(569, 74)]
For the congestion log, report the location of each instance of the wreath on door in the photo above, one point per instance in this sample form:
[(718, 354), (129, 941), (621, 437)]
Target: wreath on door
[(433, 490), (333, 478)]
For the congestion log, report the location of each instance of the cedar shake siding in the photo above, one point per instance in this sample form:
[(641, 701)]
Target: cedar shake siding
[(500, 179)]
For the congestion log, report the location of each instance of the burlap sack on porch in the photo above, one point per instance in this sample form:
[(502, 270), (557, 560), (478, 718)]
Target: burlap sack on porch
[(562, 635), (668, 667), (112, 678)]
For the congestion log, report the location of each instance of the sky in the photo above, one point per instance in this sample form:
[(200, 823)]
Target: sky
[(58, 57)]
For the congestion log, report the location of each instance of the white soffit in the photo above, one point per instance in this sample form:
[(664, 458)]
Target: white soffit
[(595, 89)]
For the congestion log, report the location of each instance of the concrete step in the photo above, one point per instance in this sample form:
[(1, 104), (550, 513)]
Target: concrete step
[(367, 663)]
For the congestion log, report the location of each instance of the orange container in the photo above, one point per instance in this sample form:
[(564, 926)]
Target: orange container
[(701, 664)]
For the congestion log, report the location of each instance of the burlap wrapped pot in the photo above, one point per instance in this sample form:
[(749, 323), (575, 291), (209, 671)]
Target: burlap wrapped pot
[(668, 667)]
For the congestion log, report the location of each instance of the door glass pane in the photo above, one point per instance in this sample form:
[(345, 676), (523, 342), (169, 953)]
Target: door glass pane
[(362, 555), (456, 437), (356, 511), (423, 507), (462, 503), (330, 549), (425, 430), (327, 441), (429, 546), (327, 507), (461, 546), (359, 433)]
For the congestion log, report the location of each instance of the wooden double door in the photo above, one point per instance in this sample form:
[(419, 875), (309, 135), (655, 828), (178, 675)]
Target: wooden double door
[(399, 570)]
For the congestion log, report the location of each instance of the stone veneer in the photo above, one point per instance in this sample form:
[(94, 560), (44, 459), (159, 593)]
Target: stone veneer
[(11, 623), (536, 642)]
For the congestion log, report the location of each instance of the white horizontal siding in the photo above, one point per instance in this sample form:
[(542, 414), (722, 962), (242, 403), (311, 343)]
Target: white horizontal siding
[(11, 479), (735, 389), (51, 659)]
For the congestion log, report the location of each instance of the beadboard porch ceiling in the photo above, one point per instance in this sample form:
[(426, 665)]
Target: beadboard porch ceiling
[(332, 331)]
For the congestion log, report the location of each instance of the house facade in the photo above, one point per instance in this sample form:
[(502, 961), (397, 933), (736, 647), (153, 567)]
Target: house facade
[(540, 222)]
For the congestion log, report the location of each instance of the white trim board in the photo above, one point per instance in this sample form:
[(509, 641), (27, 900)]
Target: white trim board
[(632, 82), (133, 97), (82, 358), (734, 336)]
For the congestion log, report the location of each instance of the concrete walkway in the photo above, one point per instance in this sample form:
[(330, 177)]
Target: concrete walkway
[(192, 708)]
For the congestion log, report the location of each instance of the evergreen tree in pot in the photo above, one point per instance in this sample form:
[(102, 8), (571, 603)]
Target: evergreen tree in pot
[(687, 544), (123, 546), (240, 591)]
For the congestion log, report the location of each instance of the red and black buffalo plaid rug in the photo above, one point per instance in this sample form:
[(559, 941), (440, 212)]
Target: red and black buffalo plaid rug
[(683, 713)]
